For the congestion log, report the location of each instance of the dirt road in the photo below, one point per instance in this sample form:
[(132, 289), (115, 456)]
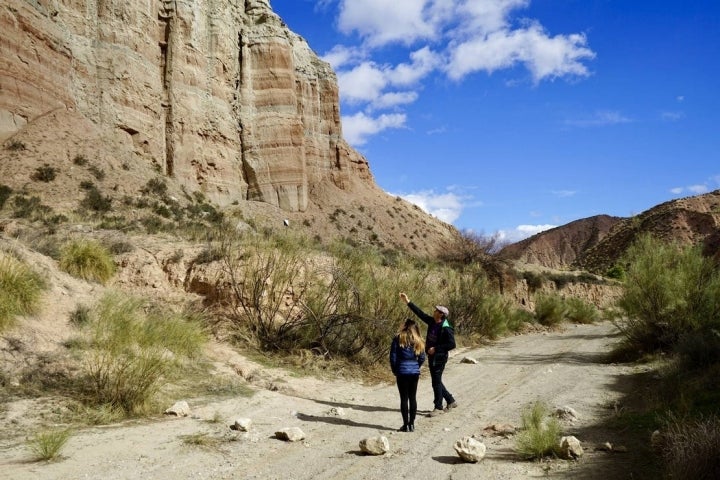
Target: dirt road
[(562, 368)]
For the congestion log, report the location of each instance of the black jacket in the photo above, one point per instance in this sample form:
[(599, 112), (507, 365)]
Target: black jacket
[(446, 340)]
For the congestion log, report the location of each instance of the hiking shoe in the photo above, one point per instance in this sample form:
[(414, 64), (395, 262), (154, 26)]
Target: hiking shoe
[(436, 412), (404, 428), (452, 405)]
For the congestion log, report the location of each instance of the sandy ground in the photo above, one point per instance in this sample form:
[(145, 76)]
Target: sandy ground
[(563, 368)]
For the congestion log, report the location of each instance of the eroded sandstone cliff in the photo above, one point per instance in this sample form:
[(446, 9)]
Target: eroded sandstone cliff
[(218, 94)]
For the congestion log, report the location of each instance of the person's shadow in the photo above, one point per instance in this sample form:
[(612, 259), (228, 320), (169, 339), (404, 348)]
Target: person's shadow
[(340, 421), (362, 408)]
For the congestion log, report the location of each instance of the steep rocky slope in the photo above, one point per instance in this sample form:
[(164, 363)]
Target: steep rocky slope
[(562, 245), (218, 98), (596, 244)]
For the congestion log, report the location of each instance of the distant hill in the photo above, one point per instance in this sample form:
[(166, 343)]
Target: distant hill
[(595, 244)]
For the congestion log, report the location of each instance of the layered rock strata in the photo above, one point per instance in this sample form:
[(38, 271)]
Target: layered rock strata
[(219, 94)]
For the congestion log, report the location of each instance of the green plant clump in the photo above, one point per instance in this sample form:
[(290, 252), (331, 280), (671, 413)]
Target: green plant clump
[(87, 259), (131, 351), (20, 290), (670, 291), (540, 433), (48, 445), (550, 309)]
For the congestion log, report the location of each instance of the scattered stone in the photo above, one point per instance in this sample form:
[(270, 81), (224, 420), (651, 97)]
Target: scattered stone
[(566, 413), (179, 409), (656, 439), (336, 412), (291, 434), (570, 448), (375, 445), (499, 429), (469, 360), (605, 447), (242, 424), (470, 450)]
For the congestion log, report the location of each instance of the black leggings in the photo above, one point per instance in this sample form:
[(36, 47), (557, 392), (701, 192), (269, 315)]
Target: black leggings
[(407, 386)]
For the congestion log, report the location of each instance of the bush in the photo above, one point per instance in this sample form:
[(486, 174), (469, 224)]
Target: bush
[(5, 193), (477, 311), (87, 259), (48, 445), (96, 201), (580, 311), (15, 146), (690, 448), (669, 291), (31, 208), (540, 434), (550, 309), (131, 351), (20, 290), (699, 349), (46, 173)]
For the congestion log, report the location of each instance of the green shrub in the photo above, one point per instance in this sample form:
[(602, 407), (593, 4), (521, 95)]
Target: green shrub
[(540, 434), (580, 311), (534, 281), (669, 291), (48, 445), (46, 173), (20, 290), (96, 172), (87, 259), (477, 310), (5, 193), (31, 208), (690, 448), (617, 272), (96, 201), (15, 146), (550, 309), (80, 160), (131, 350), (699, 349), (80, 316)]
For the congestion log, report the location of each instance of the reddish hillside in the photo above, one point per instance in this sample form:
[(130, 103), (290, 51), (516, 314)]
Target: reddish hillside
[(561, 246), (595, 244)]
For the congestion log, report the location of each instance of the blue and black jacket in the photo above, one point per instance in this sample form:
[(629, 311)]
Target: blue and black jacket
[(403, 360)]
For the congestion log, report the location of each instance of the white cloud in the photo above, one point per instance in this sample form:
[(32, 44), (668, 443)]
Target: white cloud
[(356, 128), (544, 56), (522, 232), (363, 83), (380, 22), (600, 119), (445, 206), (455, 37), (564, 193), (698, 189), (672, 116), (341, 55), (387, 100)]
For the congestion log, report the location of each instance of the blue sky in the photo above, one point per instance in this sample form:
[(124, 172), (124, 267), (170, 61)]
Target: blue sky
[(509, 117)]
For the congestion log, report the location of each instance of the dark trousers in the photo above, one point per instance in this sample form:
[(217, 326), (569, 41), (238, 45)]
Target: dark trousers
[(436, 364), (407, 386)]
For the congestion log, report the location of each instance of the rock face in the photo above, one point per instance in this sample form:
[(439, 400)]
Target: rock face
[(219, 95)]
